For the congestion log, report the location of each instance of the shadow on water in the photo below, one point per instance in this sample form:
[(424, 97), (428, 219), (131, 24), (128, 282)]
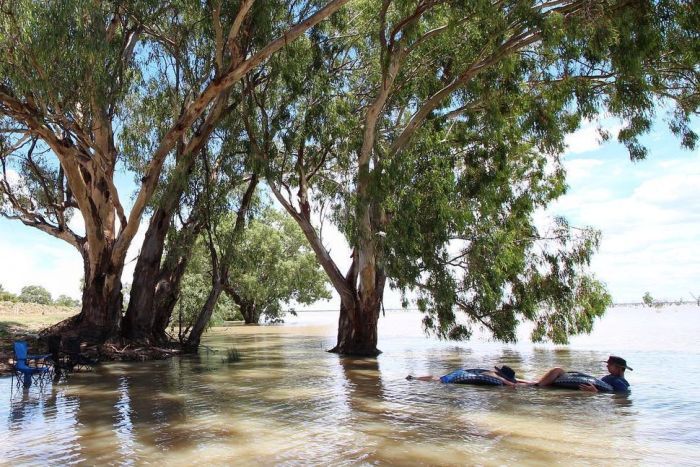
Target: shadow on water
[(128, 412)]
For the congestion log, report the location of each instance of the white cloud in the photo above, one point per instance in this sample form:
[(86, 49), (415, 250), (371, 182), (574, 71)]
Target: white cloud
[(649, 214), (584, 140), (672, 190), (31, 257), (52, 264), (587, 138), (581, 168)]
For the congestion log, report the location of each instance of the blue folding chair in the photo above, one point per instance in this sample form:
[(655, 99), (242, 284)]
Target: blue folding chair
[(25, 372)]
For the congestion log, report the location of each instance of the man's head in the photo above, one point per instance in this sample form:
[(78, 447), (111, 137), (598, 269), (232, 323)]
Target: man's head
[(617, 365), (506, 372)]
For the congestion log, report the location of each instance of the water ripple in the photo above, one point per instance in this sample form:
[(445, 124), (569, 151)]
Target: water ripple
[(287, 402)]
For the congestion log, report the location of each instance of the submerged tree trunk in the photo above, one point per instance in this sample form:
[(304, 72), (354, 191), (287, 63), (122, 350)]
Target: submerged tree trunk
[(101, 312), (139, 318), (168, 291), (357, 323), (361, 289), (358, 335), (251, 314), (156, 287), (250, 311), (204, 316)]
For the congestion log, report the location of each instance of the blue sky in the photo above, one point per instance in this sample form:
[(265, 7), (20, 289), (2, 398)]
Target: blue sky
[(648, 212)]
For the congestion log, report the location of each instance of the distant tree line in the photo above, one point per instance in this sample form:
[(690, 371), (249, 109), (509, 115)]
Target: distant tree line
[(37, 294), (649, 301)]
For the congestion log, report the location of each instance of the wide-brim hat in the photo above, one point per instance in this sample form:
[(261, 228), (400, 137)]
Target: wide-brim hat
[(506, 372), (618, 361)]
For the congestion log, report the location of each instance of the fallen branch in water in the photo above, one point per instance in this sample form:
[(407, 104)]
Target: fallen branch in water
[(142, 353)]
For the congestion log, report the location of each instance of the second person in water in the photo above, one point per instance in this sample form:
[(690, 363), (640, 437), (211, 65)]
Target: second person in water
[(505, 374), (616, 376)]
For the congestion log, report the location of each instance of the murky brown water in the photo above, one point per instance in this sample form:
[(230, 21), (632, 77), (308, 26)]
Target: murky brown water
[(288, 402)]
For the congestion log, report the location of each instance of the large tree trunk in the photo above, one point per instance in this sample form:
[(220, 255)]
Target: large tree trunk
[(357, 326), (156, 287), (249, 310), (361, 290), (141, 313), (139, 318), (167, 295), (101, 312), (100, 316), (251, 313), (204, 316)]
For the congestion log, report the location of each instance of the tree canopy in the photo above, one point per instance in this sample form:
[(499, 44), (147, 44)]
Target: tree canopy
[(440, 137), (274, 267), (429, 131)]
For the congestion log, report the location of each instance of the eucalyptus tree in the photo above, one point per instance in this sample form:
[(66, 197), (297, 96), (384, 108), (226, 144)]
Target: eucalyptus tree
[(220, 236), (435, 135), (274, 266), (205, 184), (68, 69)]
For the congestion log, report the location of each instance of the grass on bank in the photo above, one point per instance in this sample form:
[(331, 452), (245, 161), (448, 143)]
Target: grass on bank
[(23, 321)]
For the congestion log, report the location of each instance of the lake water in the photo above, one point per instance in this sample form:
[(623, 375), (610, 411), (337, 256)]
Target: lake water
[(288, 402)]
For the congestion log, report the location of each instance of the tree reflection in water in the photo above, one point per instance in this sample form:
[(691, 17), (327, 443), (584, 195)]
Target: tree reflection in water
[(287, 401)]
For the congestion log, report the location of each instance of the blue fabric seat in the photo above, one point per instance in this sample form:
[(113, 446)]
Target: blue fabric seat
[(24, 370)]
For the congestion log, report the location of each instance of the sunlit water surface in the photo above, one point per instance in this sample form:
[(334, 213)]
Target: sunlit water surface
[(288, 402)]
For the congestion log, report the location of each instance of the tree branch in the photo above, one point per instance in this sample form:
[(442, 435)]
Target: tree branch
[(200, 104)]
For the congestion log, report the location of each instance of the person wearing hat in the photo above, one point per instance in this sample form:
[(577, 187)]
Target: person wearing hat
[(615, 377), (505, 373)]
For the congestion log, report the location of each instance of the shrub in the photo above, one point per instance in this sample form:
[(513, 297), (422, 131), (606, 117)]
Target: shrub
[(232, 355), (35, 294), (65, 300), (6, 296)]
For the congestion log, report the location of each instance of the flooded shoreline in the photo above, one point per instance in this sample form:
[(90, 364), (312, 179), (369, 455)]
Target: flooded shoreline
[(289, 402)]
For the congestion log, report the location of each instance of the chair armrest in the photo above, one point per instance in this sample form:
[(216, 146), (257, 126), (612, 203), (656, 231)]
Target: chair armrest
[(39, 358)]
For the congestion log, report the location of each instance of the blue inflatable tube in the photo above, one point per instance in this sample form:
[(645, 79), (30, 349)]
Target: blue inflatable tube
[(471, 376), (574, 379)]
